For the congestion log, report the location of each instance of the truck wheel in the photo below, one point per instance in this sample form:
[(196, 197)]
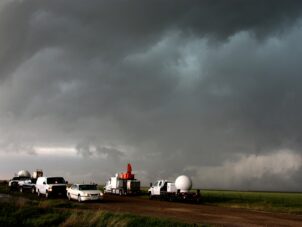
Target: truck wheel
[(150, 196), (79, 199), (21, 189), (68, 196), (38, 192), (120, 192), (33, 190), (46, 194)]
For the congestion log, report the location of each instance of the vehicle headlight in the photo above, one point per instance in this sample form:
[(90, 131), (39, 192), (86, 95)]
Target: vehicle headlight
[(101, 193), (50, 189), (85, 194)]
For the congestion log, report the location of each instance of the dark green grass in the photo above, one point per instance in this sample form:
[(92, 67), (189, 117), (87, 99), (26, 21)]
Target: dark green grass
[(265, 201), (102, 218), (14, 213), (18, 212)]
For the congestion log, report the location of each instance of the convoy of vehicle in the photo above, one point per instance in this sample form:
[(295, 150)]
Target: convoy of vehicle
[(84, 192), (121, 184)]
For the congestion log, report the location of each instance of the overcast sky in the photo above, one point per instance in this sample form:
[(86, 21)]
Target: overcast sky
[(211, 89)]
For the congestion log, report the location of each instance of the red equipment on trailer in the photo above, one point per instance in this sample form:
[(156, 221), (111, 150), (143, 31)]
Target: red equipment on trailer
[(123, 183), (128, 175)]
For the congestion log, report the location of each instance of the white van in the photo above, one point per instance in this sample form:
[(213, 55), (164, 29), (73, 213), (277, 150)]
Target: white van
[(51, 186)]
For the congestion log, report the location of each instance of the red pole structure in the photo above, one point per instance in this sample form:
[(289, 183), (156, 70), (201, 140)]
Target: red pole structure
[(129, 168)]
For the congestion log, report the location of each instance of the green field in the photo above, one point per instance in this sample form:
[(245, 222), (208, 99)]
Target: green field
[(283, 202)]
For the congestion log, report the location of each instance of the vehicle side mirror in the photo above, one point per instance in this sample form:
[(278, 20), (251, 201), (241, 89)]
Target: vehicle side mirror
[(150, 184), (66, 182), (44, 182)]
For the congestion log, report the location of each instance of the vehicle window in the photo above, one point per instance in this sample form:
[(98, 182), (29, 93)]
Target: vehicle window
[(24, 178), (160, 183), (84, 187), (55, 180), (155, 184)]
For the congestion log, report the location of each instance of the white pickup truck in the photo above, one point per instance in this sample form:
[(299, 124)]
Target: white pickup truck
[(161, 188), (178, 191), (16, 183)]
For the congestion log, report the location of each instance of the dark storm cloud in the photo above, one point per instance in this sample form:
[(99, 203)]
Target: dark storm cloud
[(111, 28), (181, 84)]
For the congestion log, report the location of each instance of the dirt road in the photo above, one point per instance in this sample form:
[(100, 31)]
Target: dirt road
[(191, 213)]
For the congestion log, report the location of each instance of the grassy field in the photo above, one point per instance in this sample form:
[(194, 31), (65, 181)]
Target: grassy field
[(284, 202), (265, 201)]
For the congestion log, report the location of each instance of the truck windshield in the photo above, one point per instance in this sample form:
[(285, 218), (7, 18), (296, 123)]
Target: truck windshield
[(84, 187), (55, 180)]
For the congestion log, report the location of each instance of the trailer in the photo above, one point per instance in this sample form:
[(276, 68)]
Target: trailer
[(174, 191), (123, 183)]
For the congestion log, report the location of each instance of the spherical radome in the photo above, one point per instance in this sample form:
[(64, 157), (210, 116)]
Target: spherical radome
[(184, 183), (23, 173)]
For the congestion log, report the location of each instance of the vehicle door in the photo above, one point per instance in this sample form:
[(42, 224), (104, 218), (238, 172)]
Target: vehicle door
[(156, 188), (44, 186), (74, 190)]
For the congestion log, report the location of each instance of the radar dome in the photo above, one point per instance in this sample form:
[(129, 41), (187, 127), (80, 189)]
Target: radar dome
[(23, 173), (183, 183)]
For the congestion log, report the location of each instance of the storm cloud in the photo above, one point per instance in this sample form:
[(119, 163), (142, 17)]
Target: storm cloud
[(172, 86)]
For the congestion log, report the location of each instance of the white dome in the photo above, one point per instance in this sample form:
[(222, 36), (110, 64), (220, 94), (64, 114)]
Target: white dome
[(23, 173), (183, 183)]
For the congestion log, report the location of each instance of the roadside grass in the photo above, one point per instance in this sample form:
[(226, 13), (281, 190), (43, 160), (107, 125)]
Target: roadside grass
[(103, 218), (284, 202), (22, 211), (3, 187)]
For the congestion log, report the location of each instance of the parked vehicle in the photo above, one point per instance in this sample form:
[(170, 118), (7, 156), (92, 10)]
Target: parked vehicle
[(30, 184), (13, 184), (174, 191), (51, 186), (19, 179), (84, 192), (123, 183)]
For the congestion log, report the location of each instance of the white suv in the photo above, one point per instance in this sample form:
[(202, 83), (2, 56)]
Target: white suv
[(51, 186)]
